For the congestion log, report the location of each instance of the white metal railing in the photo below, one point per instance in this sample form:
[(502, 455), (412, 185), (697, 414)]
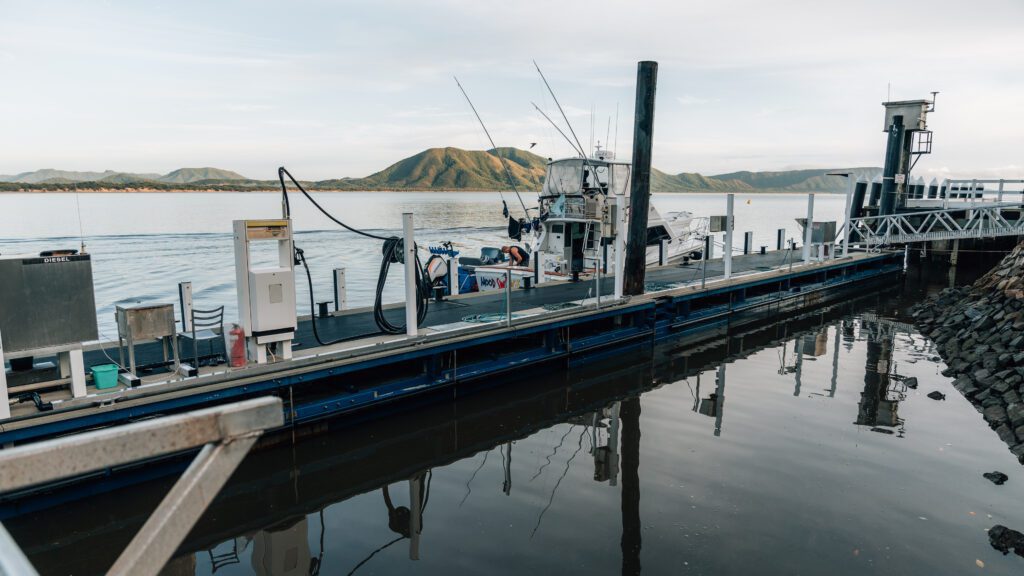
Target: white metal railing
[(980, 221), (970, 192)]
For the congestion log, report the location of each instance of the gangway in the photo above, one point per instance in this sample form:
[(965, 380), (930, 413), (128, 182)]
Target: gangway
[(965, 210)]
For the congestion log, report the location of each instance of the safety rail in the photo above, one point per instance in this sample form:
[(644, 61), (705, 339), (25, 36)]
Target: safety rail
[(963, 193), (225, 433), (980, 221)]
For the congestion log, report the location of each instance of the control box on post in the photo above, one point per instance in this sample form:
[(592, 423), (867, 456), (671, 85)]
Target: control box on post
[(266, 295)]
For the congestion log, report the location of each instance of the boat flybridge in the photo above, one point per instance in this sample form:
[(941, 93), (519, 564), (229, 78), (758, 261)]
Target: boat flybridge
[(578, 218), (576, 223)]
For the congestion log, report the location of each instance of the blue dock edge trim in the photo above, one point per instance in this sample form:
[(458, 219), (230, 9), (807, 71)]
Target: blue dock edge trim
[(662, 318)]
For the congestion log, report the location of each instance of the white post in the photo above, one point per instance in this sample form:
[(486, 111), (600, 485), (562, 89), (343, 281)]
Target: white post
[(539, 263), (620, 243), (453, 273), (5, 406), (1000, 198), (409, 247), (808, 229), (849, 215), (185, 301), (77, 373), (340, 292), (727, 257)]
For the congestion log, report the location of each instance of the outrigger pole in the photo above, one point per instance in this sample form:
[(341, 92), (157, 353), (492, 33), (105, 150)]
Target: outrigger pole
[(575, 149), (504, 164)]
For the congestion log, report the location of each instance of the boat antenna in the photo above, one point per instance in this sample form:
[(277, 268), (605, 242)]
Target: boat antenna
[(504, 164), (574, 148), (615, 148), (555, 98)]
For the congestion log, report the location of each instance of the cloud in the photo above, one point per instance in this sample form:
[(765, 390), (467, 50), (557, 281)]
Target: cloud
[(690, 100)]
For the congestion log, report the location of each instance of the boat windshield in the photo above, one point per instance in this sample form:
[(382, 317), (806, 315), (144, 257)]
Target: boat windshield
[(565, 177)]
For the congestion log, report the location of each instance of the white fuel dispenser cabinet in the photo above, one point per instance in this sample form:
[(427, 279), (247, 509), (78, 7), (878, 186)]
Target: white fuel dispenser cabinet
[(266, 296)]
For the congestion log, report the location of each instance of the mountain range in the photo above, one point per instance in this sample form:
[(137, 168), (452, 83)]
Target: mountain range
[(433, 169), (179, 176)]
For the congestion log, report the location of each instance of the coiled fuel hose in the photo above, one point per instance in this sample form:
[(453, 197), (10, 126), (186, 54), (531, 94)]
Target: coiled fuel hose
[(392, 251)]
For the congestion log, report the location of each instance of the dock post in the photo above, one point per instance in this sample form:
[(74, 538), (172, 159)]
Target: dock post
[(597, 285), (954, 256), (453, 276), (808, 229), (5, 407), (704, 261), (727, 249), (748, 242), (640, 190), (409, 247), (508, 297), (620, 242), (780, 239), (340, 295), (185, 303)]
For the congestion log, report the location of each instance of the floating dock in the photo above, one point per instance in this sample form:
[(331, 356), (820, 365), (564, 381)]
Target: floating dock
[(283, 482), (465, 339)]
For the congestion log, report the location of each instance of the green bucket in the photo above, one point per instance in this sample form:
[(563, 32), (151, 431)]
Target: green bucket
[(104, 376)]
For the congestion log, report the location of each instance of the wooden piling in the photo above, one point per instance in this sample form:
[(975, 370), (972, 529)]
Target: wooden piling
[(640, 191)]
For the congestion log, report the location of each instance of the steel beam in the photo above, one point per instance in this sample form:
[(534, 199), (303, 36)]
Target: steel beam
[(80, 454), (172, 520), (226, 434), (12, 560)]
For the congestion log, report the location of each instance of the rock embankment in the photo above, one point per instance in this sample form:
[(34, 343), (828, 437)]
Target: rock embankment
[(979, 332)]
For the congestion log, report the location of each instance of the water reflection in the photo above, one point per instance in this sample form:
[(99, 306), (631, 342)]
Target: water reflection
[(545, 474)]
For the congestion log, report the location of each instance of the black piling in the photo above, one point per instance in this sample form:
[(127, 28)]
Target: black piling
[(857, 203), (892, 161), (640, 191)]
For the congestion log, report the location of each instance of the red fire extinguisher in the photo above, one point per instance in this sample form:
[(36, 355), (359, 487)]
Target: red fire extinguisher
[(237, 347)]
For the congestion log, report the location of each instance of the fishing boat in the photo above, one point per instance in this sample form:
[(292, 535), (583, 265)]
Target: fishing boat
[(574, 226)]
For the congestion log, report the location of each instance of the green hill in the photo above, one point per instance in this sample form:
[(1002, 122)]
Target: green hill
[(457, 169), (189, 175)]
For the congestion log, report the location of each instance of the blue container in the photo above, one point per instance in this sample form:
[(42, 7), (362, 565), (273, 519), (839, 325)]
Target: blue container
[(104, 376)]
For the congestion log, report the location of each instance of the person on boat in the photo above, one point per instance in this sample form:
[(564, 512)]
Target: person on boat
[(517, 256)]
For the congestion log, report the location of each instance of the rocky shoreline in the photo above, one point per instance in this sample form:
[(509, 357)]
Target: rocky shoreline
[(979, 332)]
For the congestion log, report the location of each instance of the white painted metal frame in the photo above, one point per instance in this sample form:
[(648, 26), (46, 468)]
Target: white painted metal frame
[(226, 434), (983, 221)]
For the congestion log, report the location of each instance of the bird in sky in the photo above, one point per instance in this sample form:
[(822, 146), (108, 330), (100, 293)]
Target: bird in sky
[(532, 144)]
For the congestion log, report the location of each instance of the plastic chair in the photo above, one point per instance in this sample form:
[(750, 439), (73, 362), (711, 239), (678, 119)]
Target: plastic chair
[(203, 323)]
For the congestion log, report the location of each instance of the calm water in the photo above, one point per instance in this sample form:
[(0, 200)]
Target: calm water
[(144, 244), (794, 448)]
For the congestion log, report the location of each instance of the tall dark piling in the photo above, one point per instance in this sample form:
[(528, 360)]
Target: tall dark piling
[(859, 192), (892, 161), (640, 191)]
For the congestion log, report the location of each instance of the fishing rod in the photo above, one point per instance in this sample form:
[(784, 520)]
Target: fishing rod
[(574, 149), (586, 160), (566, 118), (504, 164)]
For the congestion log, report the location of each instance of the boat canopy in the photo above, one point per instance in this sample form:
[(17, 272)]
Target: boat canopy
[(576, 176)]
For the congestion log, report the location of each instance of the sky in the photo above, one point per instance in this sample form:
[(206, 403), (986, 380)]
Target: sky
[(333, 89)]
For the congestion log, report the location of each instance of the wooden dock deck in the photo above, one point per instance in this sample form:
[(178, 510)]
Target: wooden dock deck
[(369, 368)]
